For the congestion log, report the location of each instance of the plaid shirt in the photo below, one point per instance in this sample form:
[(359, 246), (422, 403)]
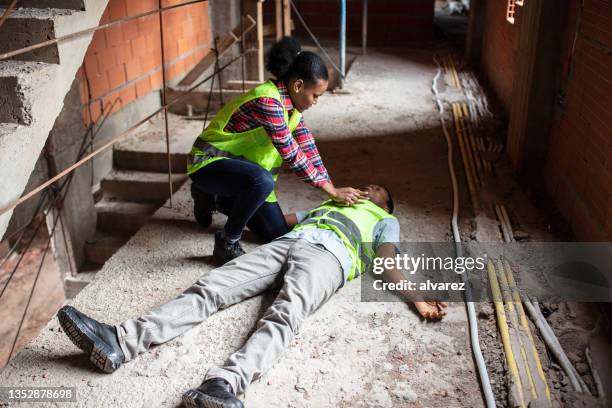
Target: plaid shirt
[(297, 149)]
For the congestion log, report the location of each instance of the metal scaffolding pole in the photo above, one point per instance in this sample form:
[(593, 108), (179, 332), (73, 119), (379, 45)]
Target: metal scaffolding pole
[(342, 41)]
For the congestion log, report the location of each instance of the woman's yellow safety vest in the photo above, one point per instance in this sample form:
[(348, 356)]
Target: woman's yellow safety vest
[(253, 145), (354, 225)]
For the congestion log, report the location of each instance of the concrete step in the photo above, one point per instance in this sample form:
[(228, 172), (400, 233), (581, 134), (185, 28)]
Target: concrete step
[(149, 161), (58, 4), (27, 27), (146, 149), (74, 284), (141, 186), (19, 82), (123, 217), (102, 246)]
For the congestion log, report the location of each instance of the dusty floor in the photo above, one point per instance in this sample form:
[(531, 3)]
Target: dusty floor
[(350, 354)]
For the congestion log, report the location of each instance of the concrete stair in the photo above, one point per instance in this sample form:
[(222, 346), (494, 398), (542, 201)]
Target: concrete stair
[(123, 217), (141, 186), (33, 85), (102, 246)]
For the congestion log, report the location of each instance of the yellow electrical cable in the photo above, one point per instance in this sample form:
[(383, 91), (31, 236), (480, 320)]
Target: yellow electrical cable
[(467, 144), (525, 324), (503, 330), (515, 325), (468, 174), (477, 158)]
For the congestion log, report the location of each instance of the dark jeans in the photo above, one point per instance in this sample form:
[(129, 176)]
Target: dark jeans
[(242, 188)]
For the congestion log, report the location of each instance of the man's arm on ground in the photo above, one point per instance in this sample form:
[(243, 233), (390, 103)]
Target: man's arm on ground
[(428, 309)]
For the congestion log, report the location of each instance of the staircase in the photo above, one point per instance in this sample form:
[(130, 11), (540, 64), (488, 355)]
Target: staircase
[(33, 85), (138, 184)]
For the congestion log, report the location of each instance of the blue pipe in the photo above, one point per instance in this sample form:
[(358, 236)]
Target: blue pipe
[(342, 40)]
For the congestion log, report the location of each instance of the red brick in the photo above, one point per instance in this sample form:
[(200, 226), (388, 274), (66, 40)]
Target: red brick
[(123, 53), (130, 30), (128, 95), (135, 7), (91, 64), (116, 76), (139, 46), (83, 91), (156, 79), (99, 85), (146, 24), (118, 9), (114, 35), (106, 59), (147, 63), (98, 42), (143, 87), (133, 69)]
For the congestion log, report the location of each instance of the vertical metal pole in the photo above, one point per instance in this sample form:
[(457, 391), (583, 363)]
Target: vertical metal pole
[(163, 63), (364, 28), (342, 41), (242, 44)]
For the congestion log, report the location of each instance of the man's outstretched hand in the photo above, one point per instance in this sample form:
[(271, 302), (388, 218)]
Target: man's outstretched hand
[(431, 310)]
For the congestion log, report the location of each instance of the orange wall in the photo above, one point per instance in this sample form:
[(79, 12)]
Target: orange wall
[(499, 48), (579, 162), (579, 165), (124, 61)]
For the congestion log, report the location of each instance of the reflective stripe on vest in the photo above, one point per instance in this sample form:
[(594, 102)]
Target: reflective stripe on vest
[(353, 225), (253, 145)]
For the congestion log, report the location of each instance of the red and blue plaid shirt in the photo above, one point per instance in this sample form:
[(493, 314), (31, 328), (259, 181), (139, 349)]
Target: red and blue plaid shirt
[(297, 149)]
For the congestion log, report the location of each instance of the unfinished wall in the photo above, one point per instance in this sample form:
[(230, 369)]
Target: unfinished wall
[(124, 61), (579, 164), (499, 50), (391, 23)]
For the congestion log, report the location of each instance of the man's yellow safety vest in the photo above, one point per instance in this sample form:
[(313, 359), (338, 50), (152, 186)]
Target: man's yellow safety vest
[(253, 145), (354, 225)]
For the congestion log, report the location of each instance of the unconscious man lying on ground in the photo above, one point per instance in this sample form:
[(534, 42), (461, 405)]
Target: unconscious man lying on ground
[(308, 264)]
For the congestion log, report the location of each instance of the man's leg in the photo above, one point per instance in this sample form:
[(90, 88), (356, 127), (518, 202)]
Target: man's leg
[(239, 279), (313, 275)]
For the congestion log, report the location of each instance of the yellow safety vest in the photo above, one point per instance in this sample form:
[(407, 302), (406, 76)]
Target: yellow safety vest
[(253, 145), (354, 225)]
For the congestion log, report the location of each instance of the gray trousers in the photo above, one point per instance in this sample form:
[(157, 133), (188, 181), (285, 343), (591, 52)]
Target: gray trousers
[(307, 274)]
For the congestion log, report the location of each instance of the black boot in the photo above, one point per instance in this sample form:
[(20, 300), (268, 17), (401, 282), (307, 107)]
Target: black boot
[(99, 340), (203, 206), (225, 251), (213, 393)]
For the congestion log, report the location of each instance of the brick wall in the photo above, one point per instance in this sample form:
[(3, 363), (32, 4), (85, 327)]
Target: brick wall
[(390, 22), (123, 61), (499, 48), (579, 165)]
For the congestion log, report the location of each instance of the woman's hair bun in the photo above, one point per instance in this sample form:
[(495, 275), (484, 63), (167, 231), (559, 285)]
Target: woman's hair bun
[(281, 56)]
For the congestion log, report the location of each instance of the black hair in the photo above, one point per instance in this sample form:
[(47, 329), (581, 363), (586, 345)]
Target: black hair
[(390, 203), (287, 61)]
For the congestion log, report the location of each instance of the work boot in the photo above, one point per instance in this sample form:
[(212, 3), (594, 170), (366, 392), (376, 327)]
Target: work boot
[(226, 251), (99, 340), (203, 206), (213, 393)]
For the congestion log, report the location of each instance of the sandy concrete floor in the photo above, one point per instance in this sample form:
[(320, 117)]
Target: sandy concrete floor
[(349, 354)]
